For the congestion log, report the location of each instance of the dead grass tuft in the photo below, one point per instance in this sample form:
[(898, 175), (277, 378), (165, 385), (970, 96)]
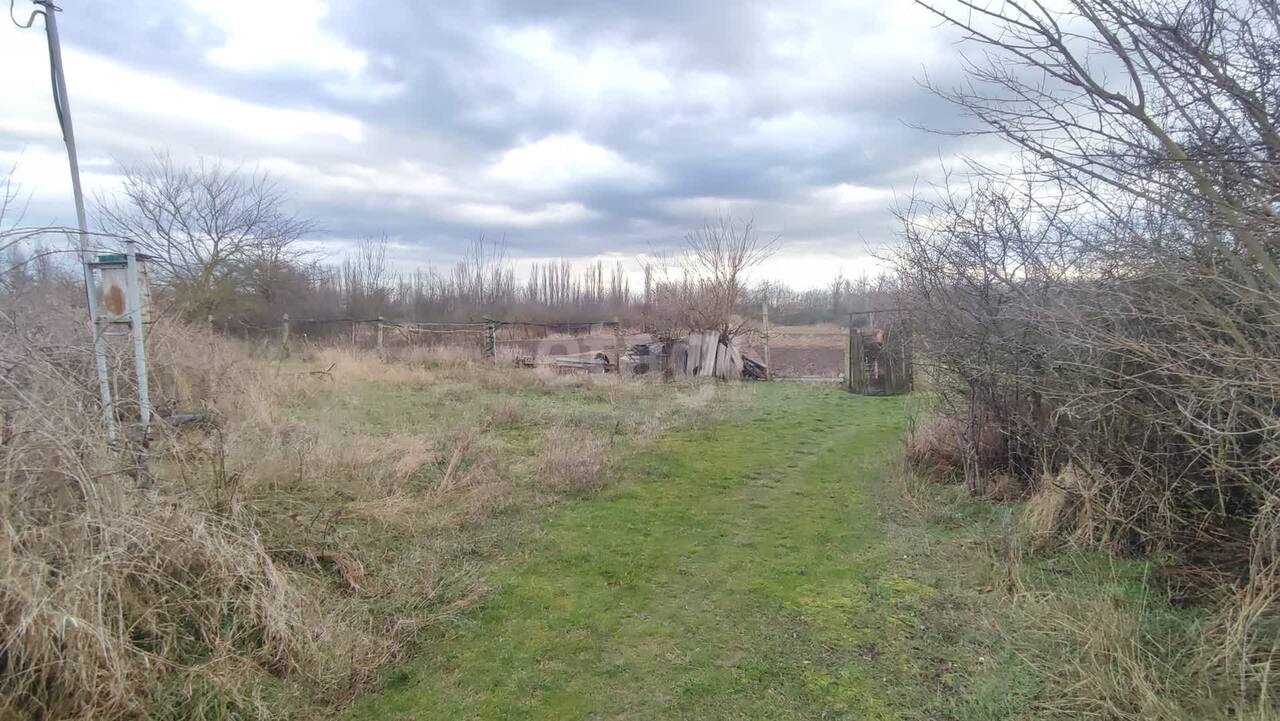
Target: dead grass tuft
[(96, 602), (936, 449), (572, 461)]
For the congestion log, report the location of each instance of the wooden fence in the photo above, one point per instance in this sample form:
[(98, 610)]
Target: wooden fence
[(876, 361), (492, 338), (879, 360)]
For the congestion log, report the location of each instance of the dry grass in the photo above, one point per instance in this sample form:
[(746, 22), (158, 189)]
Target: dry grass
[(1116, 645), (275, 557), (119, 588), (936, 448), (1108, 636), (1140, 658), (573, 463), (98, 602)]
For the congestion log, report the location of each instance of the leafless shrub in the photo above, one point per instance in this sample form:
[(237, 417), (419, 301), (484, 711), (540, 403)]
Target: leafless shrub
[(1078, 313), (704, 286), (1103, 321)]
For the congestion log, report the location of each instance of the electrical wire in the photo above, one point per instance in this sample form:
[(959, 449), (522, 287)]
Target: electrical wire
[(57, 95), (53, 76), (30, 21)]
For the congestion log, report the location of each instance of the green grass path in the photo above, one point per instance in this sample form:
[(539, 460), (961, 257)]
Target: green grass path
[(733, 572)]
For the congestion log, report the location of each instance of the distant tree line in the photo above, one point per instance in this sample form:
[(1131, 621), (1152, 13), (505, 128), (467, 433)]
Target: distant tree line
[(224, 244)]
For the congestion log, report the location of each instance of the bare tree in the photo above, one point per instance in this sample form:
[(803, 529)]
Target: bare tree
[(367, 278), (483, 277), (209, 227), (718, 257)]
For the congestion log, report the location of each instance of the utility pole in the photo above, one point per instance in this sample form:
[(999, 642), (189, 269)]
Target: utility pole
[(63, 108)]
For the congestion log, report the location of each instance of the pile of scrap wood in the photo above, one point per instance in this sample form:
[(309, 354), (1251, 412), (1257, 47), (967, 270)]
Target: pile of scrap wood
[(704, 354), (754, 370), (707, 354), (589, 362)]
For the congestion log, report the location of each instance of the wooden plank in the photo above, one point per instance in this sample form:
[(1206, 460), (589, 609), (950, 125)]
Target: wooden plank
[(768, 372), (856, 372)]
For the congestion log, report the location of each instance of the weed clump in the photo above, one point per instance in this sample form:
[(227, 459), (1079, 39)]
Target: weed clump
[(100, 598), (573, 461)]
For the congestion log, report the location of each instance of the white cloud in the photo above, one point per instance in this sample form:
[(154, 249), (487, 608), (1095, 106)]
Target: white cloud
[(558, 162), (850, 196), (501, 214), (408, 185), (277, 34), (821, 49), (398, 178), (117, 106), (752, 110), (43, 174), (542, 65), (106, 86), (290, 35), (543, 68)]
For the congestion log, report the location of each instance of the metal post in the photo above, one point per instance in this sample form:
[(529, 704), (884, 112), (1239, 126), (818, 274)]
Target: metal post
[(379, 335), (284, 334), (63, 107), (768, 367), (848, 348), (139, 341), (98, 330), (353, 334)]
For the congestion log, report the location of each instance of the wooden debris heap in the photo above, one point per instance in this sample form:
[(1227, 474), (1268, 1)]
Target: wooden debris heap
[(703, 354)]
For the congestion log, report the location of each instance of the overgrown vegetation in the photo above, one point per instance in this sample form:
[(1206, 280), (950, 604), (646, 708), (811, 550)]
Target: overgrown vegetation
[(1101, 325), (1065, 632), (273, 557)]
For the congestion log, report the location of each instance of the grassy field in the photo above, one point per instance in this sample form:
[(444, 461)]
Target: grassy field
[(431, 537), (749, 569)]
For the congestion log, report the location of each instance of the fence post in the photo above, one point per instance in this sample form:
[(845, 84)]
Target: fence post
[(768, 367), (353, 333), (284, 335), (209, 318), (856, 373), (617, 345), (490, 340), (379, 335)]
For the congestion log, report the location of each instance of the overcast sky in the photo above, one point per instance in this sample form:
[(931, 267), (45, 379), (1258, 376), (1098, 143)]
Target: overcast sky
[(570, 128)]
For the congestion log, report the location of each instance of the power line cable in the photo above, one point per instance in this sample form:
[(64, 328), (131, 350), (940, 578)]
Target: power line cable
[(30, 21)]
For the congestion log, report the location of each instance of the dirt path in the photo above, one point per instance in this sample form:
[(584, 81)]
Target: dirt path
[(738, 572)]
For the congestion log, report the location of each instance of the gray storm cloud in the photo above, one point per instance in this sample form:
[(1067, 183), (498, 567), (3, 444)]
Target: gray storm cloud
[(568, 128)]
